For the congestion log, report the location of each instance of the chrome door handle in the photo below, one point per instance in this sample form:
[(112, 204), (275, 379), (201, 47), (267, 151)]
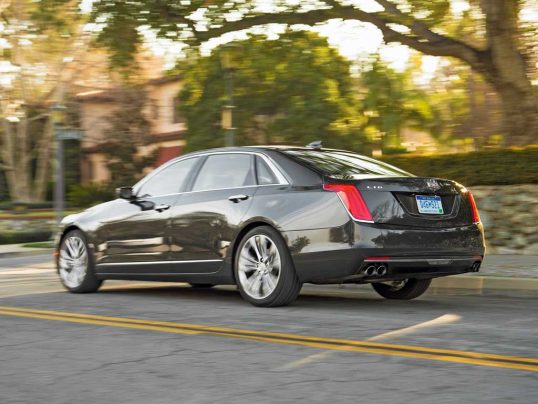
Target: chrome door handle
[(237, 198), (161, 208)]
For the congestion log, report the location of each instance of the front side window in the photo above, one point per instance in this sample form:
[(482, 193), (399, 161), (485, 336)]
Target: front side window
[(225, 171), (345, 164), (169, 180)]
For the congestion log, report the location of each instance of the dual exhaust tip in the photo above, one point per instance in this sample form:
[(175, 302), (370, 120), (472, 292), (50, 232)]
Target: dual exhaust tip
[(375, 270)]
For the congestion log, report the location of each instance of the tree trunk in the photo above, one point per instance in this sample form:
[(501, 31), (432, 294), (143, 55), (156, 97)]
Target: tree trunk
[(507, 70), (520, 110)]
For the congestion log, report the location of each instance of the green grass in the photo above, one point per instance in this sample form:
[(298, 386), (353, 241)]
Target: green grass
[(32, 214), (39, 244)]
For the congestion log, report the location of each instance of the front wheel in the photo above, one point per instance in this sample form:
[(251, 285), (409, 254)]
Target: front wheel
[(263, 269), (75, 264), (406, 289)]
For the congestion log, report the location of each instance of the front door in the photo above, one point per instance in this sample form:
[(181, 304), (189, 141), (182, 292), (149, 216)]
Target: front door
[(136, 233)]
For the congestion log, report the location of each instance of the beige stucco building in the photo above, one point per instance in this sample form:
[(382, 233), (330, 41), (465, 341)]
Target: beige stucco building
[(167, 127)]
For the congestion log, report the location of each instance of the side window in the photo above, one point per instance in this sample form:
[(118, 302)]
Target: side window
[(225, 171), (265, 175), (169, 180)]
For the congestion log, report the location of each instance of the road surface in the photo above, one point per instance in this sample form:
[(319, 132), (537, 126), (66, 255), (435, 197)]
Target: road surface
[(169, 343)]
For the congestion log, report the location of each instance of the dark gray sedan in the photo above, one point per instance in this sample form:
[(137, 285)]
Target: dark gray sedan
[(269, 219)]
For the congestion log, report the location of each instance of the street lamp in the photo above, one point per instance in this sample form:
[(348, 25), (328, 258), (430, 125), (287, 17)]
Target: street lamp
[(229, 62), (57, 117)]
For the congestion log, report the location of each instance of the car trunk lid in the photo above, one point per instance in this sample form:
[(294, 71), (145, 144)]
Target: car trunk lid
[(415, 201)]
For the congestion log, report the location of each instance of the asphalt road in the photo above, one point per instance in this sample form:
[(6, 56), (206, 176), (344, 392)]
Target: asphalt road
[(165, 343)]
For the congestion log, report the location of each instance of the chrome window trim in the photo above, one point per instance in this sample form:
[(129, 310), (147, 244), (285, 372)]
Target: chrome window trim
[(271, 164), (205, 190)]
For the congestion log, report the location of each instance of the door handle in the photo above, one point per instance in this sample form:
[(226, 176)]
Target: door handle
[(161, 208), (238, 198)]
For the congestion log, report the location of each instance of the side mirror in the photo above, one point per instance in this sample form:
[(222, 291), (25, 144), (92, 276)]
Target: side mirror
[(125, 193)]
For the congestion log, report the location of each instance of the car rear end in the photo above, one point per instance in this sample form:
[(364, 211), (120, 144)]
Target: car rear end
[(401, 226)]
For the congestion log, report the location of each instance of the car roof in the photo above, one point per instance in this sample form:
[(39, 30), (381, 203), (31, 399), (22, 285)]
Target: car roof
[(260, 148)]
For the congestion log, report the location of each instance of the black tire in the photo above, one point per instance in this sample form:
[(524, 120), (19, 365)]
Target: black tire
[(411, 289), (201, 285), (288, 285), (89, 283)]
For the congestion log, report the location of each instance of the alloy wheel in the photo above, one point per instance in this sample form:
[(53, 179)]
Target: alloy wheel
[(73, 261), (259, 266)]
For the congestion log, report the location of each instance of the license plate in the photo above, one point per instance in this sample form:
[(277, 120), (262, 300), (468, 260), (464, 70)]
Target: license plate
[(430, 205)]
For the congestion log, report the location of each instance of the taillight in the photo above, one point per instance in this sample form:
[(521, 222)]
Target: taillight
[(474, 208), (352, 199)]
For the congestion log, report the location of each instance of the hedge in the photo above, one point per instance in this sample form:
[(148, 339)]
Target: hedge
[(24, 236), (492, 167)]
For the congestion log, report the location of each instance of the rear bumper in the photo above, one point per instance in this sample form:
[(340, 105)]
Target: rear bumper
[(343, 253)]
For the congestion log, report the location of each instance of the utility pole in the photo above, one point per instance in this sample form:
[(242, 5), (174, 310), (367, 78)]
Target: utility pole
[(57, 113), (229, 64)]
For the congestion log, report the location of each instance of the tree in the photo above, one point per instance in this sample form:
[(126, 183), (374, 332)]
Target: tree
[(498, 47), (37, 48), (294, 89), (391, 103), (127, 132)]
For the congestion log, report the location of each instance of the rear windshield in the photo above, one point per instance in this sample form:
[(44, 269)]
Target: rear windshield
[(343, 164)]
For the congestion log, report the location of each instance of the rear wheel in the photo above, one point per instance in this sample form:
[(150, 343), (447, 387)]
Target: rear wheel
[(75, 264), (404, 290), (264, 270)]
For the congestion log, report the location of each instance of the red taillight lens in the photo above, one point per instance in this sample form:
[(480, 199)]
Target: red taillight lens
[(352, 199), (474, 208)]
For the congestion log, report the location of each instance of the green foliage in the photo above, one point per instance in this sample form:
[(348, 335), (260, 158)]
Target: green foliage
[(24, 236), (492, 167), (83, 196), (22, 206), (292, 90), (127, 131), (391, 103)]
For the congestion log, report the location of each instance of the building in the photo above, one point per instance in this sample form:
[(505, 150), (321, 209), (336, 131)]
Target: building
[(167, 127)]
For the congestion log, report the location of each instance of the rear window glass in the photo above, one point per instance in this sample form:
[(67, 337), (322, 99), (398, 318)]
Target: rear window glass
[(345, 164)]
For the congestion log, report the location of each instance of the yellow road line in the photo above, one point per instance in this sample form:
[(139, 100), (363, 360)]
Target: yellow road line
[(445, 319), (446, 355)]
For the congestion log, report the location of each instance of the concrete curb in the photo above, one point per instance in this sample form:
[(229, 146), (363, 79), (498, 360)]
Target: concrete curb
[(481, 284)]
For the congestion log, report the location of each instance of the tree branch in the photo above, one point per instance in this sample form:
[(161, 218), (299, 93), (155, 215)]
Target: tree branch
[(421, 39)]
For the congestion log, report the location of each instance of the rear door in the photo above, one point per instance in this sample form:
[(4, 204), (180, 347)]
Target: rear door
[(205, 219)]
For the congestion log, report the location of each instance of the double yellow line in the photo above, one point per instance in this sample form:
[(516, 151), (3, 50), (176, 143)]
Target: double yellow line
[(445, 355)]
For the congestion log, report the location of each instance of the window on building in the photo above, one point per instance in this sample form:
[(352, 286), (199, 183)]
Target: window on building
[(176, 113)]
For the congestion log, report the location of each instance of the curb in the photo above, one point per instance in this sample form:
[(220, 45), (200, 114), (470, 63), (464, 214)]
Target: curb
[(484, 284), (32, 252)]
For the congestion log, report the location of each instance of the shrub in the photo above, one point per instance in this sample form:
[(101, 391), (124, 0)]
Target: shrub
[(88, 195), (25, 236), (491, 167)]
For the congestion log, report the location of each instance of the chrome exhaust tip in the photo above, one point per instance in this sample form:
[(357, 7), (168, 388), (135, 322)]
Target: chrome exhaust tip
[(381, 270), (371, 270)]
